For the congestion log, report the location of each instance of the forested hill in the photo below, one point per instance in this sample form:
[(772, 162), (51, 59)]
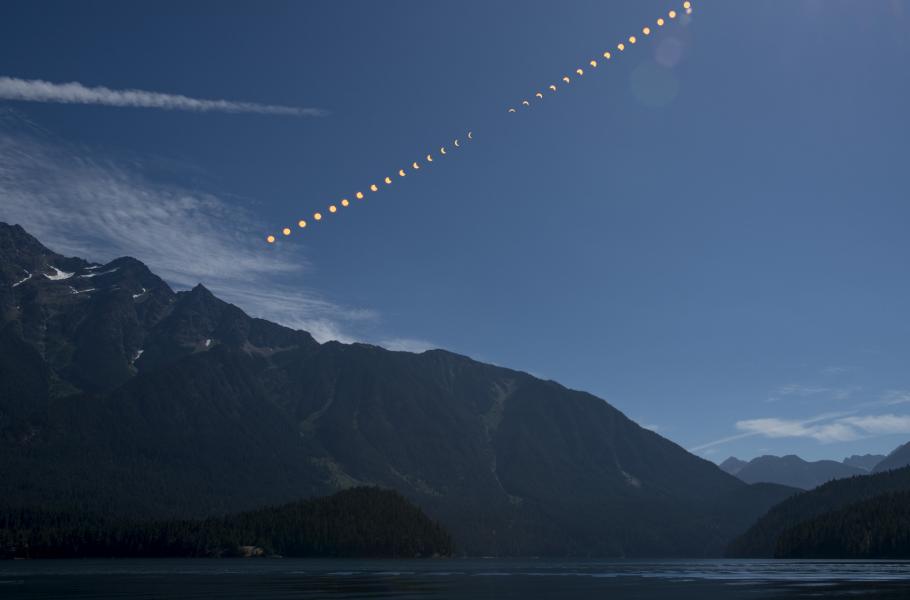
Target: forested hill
[(359, 522), (871, 529), (761, 540)]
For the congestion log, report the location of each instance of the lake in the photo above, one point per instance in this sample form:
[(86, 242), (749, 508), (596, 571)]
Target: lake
[(455, 579)]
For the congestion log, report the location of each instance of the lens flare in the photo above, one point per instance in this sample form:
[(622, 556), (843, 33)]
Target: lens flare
[(270, 239), (301, 223), (317, 216), (580, 72), (660, 22), (646, 30), (672, 14), (621, 46), (632, 39), (333, 208), (359, 195), (593, 63), (388, 181), (374, 188), (345, 202)]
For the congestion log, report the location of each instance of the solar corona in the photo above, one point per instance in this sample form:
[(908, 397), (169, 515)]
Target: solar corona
[(524, 104)]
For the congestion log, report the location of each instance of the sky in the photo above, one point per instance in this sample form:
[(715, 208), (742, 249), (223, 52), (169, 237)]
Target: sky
[(710, 232)]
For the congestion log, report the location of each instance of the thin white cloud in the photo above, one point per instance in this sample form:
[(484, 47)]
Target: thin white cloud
[(880, 424), (808, 391), (785, 428), (82, 205), (37, 90), (407, 345), (796, 389), (719, 442), (892, 397), (825, 428)]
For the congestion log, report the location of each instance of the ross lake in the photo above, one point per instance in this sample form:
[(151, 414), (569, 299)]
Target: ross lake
[(455, 579)]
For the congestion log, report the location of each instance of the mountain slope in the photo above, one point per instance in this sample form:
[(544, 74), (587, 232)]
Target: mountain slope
[(878, 528), (128, 398), (732, 465), (897, 459), (866, 462), (760, 541)]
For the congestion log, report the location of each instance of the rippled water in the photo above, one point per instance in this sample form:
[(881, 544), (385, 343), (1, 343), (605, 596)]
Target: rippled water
[(454, 579)]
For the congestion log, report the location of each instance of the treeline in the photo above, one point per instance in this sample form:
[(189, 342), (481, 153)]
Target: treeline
[(360, 522), (875, 528), (825, 502)]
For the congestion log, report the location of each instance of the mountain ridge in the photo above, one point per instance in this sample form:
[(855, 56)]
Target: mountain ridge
[(125, 396), (790, 470)]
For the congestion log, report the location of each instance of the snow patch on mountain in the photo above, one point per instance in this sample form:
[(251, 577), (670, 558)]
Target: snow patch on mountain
[(58, 274), (21, 281)]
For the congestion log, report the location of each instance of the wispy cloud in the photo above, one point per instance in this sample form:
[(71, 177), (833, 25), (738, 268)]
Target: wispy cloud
[(796, 389), (799, 390), (85, 205), (893, 397), (37, 90), (880, 424), (407, 344), (825, 428), (784, 428)]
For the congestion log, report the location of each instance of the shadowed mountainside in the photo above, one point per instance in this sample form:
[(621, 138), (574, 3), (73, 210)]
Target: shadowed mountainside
[(761, 540), (897, 459), (118, 395)]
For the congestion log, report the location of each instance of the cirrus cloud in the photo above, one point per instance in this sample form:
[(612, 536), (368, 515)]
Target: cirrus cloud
[(38, 90)]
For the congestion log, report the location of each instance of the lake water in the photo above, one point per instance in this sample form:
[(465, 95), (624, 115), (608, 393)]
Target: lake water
[(454, 579)]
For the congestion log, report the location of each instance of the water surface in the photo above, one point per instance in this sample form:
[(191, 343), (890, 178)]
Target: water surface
[(456, 579)]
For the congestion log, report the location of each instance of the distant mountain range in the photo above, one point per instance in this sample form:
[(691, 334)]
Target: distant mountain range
[(789, 470), (120, 396), (795, 472)]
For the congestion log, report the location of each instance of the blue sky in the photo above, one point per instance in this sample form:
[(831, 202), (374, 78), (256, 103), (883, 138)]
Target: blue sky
[(710, 233)]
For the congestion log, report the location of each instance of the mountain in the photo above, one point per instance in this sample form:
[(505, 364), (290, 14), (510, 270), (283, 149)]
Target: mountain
[(866, 462), (878, 528), (761, 540), (899, 457), (733, 465), (359, 522), (119, 396), (790, 470)]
